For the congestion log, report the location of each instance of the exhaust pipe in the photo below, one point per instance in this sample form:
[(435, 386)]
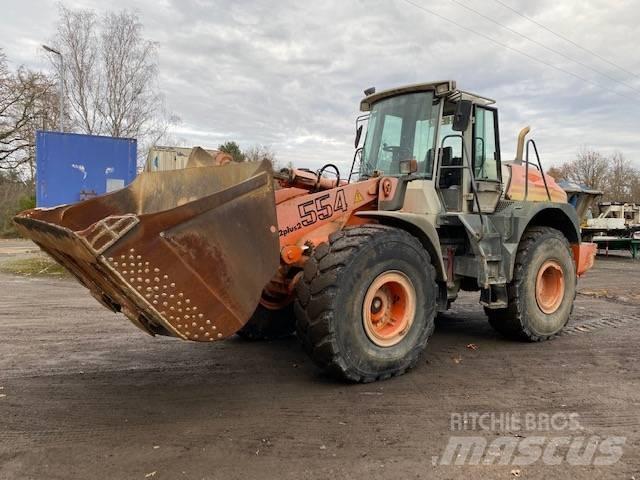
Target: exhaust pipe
[(521, 137)]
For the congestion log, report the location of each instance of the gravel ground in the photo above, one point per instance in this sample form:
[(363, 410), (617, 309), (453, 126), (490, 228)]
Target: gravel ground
[(83, 394)]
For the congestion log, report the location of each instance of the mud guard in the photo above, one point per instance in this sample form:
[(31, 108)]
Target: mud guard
[(421, 226)]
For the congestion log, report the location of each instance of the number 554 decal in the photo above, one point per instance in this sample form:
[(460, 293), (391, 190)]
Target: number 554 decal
[(322, 207), (299, 216)]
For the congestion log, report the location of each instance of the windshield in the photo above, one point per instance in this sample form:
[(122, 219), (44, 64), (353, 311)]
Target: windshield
[(401, 128)]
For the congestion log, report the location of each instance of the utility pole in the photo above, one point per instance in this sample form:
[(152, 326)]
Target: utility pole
[(61, 86)]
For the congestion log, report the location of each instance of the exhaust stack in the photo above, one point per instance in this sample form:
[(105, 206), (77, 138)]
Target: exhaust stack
[(521, 138)]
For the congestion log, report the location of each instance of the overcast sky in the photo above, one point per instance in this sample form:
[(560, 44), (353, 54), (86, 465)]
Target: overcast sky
[(290, 74)]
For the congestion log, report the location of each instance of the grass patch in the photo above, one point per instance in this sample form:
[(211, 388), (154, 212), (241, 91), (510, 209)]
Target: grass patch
[(34, 266)]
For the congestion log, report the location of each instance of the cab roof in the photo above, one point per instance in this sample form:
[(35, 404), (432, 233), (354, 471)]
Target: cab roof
[(443, 88)]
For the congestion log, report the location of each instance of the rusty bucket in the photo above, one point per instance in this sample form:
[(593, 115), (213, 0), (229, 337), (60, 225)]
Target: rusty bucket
[(184, 253)]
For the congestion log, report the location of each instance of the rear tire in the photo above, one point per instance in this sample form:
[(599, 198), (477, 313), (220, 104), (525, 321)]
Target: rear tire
[(543, 288), (365, 307), (267, 324)]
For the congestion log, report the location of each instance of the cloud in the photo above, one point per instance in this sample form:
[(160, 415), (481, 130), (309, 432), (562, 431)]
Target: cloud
[(290, 74)]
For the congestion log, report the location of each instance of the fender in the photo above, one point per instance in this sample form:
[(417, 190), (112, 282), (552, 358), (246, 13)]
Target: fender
[(515, 219), (420, 226)]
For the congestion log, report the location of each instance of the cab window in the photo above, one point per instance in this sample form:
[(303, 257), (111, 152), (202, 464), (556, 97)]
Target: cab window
[(401, 128), (486, 151)]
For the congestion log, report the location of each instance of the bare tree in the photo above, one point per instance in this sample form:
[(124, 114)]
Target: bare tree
[(557, 173), (257, 153), (620, 179), (26, 100), (4, 69), (130, 67), (615, 176), (110, 71), (589, 169), (635, 188), (77, 40), (11, 116)]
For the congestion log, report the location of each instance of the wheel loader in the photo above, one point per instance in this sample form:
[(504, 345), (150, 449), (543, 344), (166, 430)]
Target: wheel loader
[(357, 265)]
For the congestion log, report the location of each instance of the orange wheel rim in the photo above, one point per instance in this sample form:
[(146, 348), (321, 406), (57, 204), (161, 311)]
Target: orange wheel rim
[(550, 286), (389, 308)]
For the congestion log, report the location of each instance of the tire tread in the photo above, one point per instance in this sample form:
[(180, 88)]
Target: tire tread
[(315, 315), (510, 321)]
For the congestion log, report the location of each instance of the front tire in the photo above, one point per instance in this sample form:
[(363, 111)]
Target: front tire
[(365, 307), (543, 288)]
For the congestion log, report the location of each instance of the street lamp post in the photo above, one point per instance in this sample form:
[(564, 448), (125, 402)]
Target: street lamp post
[(61, 86)]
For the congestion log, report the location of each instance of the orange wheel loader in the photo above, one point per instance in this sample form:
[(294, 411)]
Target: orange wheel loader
[(357, 265)]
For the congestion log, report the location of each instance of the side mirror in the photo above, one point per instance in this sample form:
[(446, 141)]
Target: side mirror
[(462, 116), (358, 135)]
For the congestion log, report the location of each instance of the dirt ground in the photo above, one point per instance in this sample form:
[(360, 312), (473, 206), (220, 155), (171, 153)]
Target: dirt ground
[(83, 394)]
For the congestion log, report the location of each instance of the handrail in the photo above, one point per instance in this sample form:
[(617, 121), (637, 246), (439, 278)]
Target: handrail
[(353, 163), (526, 170), (360, 118)]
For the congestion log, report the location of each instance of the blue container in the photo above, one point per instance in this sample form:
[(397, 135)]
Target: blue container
[(71, 167)]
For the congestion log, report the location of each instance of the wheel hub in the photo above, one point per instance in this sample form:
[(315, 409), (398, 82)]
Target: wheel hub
[(550, 287), (376, 305), (389, 308)]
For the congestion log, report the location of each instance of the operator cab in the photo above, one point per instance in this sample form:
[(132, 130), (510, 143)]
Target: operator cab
[(435, 132)]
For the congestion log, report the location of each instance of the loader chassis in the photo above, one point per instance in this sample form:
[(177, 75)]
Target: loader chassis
[(358, 268)]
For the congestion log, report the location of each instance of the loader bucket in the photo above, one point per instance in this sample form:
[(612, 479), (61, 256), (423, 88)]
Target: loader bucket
[(184, 253)]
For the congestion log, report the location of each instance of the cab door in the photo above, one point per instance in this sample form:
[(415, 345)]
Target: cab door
[(486, 157)]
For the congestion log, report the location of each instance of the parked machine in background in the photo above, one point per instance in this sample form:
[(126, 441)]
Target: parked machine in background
[(614, 219), (162, 158), (616, 227), (358, 264)]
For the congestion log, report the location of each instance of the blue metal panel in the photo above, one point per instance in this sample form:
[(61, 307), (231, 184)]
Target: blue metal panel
[(71, 167)]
